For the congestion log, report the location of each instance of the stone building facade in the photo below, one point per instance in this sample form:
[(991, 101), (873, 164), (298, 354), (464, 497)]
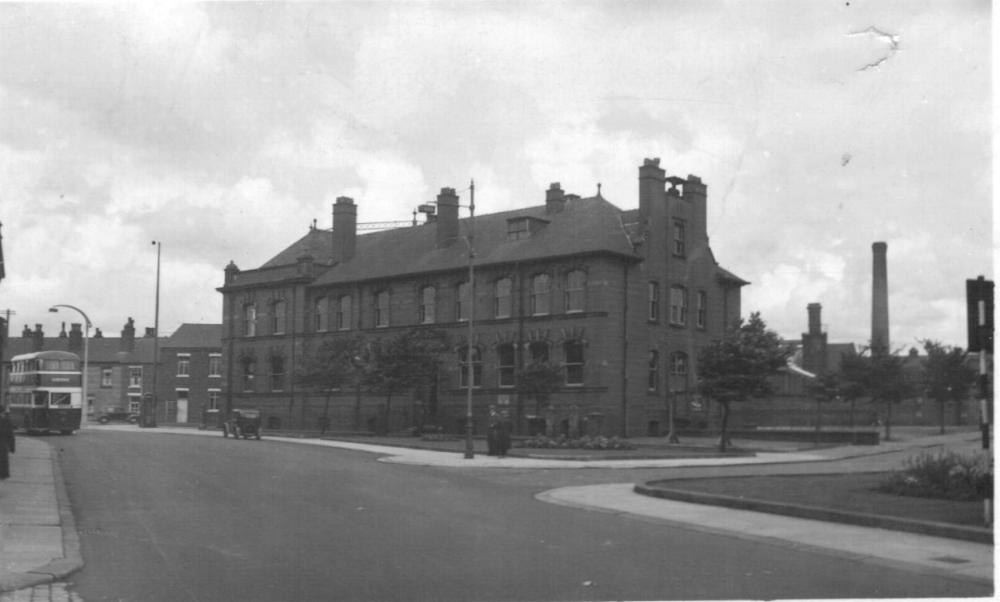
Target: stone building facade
[(620, 300)]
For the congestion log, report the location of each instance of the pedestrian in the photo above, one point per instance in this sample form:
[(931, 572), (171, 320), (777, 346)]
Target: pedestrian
[(492, 431), (503, 433), (6, 443)]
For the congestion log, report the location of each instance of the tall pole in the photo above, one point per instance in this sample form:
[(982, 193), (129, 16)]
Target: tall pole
[(86, 349), (470, 372), (156, 332)]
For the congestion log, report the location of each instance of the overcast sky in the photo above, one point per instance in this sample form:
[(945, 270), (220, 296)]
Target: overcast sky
[(224, 129)]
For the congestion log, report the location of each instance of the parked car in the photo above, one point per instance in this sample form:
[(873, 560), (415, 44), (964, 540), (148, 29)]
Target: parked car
[(117, 415), (242, 423)]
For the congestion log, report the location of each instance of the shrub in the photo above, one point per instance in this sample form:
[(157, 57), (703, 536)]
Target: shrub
[(946, 475), (562, 442)]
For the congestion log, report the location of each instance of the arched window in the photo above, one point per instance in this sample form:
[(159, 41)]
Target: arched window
[(541, 287), (678, 363), (576, 282), (278, 316), (505, 365), (502, 306), (428, 295), (477, 367), (321, 314), (573, 362)]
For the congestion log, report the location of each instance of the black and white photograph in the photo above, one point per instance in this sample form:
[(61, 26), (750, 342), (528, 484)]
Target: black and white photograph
[(496, 301)]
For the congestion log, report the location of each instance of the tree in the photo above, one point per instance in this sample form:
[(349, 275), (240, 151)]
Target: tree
[(824, 388), (538, 381), (853, 380), (879, 376), (945, 375), (739, 365), (405, 361), (331, 367)]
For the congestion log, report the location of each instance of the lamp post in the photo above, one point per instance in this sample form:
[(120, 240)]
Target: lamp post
[(156, 334), (470, 372), (86, 347)]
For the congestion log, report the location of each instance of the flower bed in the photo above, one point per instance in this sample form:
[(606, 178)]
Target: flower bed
[(948, 475), (563, 442)]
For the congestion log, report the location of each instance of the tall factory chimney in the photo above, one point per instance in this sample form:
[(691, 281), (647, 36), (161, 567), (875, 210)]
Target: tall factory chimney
[(880, 300)]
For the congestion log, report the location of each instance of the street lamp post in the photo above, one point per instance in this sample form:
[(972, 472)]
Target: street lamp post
[(156, 334), (470, 372), (86, 348)]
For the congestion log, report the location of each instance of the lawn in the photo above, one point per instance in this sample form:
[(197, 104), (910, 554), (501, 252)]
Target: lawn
[(848, 492)]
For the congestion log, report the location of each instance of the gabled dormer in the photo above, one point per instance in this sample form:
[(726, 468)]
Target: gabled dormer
[(524, 226)]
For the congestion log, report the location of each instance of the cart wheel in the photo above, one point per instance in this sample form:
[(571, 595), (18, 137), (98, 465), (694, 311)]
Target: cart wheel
[(236, 432), (225, 431)]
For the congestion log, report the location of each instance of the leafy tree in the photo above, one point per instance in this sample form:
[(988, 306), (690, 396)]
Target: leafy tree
[(739, 365), (880, 376), (538, 381), (945, 376), (332, 366), (853, 380), (824, 388), (405, 361)]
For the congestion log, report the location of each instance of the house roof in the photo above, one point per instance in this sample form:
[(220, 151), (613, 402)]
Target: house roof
[(202, 336), (583, 226), (99, 350)]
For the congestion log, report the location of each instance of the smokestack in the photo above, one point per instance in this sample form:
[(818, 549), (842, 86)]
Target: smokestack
[(815, 325), (880, 299), (814, 342), (345, 228)]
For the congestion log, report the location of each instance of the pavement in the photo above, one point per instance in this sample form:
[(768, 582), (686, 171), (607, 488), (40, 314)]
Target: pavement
[(39, 546)]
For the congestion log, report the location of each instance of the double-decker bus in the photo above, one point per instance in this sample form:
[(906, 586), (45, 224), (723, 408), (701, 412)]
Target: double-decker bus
[(45, 391)]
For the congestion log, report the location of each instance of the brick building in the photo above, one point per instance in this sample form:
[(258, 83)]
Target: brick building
[(120, 370), (621, 300)]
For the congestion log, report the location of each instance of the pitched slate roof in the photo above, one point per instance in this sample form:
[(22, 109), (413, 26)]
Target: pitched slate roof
[(98, 349), (202, 336)]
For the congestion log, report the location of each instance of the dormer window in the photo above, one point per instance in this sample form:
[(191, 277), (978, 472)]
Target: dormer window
[(523, 227)]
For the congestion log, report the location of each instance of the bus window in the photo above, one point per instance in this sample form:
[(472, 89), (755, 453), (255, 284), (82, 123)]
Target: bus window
[(59, 399), (41, 397), (67, 365)]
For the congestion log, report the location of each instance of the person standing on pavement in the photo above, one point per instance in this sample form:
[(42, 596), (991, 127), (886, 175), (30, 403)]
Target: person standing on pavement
[(6, 443)]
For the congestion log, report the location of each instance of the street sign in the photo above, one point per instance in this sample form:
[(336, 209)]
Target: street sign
[(979, 310)]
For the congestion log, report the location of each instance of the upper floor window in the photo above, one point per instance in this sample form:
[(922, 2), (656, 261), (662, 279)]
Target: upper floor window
[(344, 316), (653, 377), (576, 281), (505, 365), (573, 355), (428, 295), (541, 286), (701, 318), (249, 370), (135, 376), (462, 305), (477, 367), (183, 366), (679, 234), (381, 309), (215, 365), (653, 298), (502, 305), (278, 317), (321, 314), (249, 320), (678, 305), (213, 399), (107, 376)]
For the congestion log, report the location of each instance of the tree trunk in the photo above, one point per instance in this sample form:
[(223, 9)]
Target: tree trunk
[(671, 410), (819, 422), (941, 403), (724, 436), (326, 415), (854, 436), (388, 414)]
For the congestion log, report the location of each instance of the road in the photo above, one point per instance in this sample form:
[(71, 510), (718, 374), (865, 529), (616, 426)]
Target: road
[(174, 517)]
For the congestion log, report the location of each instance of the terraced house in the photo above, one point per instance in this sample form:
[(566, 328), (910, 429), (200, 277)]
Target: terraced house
[(619, 300)]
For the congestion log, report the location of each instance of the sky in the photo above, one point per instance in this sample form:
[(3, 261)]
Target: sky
[(222, 130)]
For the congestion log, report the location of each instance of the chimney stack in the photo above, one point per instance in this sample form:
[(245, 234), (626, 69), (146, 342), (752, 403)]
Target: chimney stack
[(696, 193), (76, 338), (652, 184), (814, 342), (555, 199), (880, 299), (345, 228), (447, 221), (37, 338), (127, 342)]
